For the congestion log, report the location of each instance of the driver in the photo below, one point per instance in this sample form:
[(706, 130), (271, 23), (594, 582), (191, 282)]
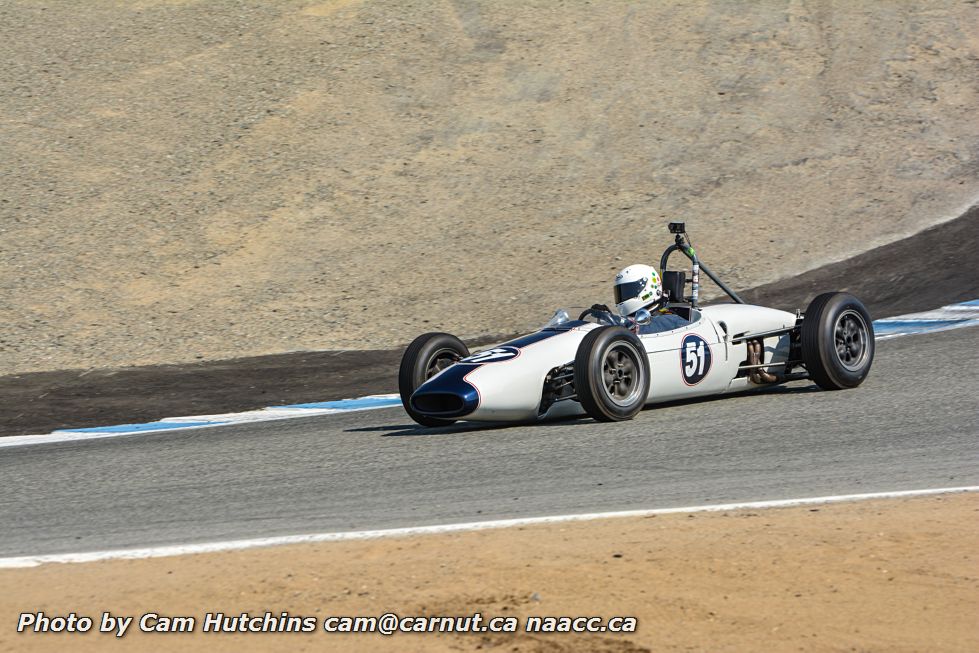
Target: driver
[(638, 286)]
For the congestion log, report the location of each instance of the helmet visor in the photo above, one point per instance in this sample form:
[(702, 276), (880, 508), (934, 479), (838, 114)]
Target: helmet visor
[(630, 290)]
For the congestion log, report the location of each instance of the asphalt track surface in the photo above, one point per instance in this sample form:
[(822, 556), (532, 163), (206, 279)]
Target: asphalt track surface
[(912, 425)]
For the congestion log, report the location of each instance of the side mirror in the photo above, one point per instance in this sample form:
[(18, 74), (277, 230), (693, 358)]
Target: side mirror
[(643, 317)]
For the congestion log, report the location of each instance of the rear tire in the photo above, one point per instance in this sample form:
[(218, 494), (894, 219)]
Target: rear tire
[(611, 374), (426, 356), (837, 341)]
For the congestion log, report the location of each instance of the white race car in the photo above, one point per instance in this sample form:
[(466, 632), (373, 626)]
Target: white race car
[(602, 364)]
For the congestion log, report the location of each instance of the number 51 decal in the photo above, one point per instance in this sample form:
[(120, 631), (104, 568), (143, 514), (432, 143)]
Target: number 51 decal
[(496, 355), (695, 359)]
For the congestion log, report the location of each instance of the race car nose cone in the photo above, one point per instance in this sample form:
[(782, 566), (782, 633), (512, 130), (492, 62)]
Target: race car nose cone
[(447, 395)]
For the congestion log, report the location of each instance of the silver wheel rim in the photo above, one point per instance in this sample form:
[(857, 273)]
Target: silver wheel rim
[(622, 374), (440, 360), (852, 340)]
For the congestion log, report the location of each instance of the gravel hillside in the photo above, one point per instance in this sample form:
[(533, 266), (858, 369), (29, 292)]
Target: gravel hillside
[(200, 180)]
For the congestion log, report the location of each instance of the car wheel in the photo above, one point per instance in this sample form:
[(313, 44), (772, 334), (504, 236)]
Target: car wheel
[(611, 374), (426, 356), (837, 341)]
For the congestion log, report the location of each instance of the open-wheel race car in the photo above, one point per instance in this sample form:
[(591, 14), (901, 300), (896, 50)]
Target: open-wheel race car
[(609, 366)]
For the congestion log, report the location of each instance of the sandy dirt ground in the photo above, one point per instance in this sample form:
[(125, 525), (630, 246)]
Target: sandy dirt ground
[(201, 180), (886, 575)]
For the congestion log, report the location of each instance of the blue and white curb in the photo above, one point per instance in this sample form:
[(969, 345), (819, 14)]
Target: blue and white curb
[(954, 316), (293, 411)]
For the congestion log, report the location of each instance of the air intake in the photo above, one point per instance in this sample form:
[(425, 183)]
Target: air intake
[(438, 403)]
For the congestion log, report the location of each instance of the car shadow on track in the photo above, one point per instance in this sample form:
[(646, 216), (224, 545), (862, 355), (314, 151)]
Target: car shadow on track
[(414, 430), (741, 394)]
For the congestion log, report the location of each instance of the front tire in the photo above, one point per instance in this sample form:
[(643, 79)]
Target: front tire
[(611, 374), (837, 341), (426, 356)]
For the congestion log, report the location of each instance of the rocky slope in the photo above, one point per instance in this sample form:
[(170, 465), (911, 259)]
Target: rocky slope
[(199, 180)]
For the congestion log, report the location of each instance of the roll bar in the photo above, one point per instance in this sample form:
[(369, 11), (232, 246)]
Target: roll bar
[(683, 245)]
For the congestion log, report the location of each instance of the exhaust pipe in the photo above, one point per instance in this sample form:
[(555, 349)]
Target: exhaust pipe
[(756, 356)]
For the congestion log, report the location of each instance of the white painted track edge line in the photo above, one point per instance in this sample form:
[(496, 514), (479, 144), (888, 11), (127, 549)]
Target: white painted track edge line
[(312, 538)]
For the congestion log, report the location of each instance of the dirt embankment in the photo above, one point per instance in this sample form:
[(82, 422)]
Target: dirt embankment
[(200, 180), (892, 575)]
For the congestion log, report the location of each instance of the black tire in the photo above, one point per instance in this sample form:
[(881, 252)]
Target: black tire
[(611, 374), (427, 355), (837, 341)]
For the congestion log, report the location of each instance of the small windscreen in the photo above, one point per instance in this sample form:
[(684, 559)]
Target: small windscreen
[(624, 291)]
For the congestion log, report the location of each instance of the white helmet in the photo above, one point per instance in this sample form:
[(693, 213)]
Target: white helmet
[(637, 286)]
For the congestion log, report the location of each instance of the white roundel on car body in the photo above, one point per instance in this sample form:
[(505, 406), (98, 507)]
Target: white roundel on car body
[(695, 359)]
